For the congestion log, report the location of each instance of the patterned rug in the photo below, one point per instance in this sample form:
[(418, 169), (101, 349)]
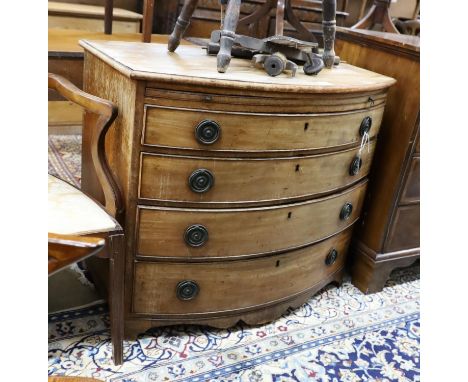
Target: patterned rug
[(338, 335)]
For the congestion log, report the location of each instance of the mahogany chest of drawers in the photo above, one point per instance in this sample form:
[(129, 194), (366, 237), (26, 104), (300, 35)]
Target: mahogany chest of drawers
[(388, 235), (241, 190)]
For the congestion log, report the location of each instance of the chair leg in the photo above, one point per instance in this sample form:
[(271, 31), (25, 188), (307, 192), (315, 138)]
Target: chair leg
[(108, 16), (182, 23), (228, 34), (329, 30), (116, 295)]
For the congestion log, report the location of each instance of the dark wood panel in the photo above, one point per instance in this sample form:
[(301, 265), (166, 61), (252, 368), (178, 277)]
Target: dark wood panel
[(410, 191), (398, 129), (404, 232), (69, 68), (207, 18)]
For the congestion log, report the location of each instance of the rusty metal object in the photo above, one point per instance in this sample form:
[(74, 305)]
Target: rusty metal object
[(295, 51), (286, 52), (274, 64)]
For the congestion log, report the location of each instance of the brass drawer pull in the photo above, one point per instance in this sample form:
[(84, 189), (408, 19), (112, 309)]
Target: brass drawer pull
[(366, 125), (355, 166), (201, 180), (187, 290), (196, 235), (346, 211), (207, 132), (331, 257)]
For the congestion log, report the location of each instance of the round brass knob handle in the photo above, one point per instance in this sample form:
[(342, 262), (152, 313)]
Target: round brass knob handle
[(201, 180), (346, 211), (196, 235), (355, 166), (366, 125), (331, 257), (207, 132), (187, 290)]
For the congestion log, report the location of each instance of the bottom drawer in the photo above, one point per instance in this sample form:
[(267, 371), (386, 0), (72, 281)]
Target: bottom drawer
[(165, 289)]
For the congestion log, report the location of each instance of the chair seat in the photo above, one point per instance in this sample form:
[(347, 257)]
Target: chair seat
[(71, 212)]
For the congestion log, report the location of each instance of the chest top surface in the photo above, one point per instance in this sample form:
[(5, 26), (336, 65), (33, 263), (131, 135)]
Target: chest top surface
[(191, 65)]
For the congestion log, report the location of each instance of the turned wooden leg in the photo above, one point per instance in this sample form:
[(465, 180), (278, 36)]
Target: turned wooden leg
[(228, 34), (329, 29), (182, 23), (116, 295)]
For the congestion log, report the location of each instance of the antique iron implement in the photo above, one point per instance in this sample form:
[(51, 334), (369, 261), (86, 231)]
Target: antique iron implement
[(275, 54)]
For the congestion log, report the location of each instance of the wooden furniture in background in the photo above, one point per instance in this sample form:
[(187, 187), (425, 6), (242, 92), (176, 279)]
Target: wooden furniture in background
[(388, 235), (377, 16), (92, 18), (228, 32), (66, 59), (253, 19), (108, 16), (409, 27), (241, 190), (72, 213), (148, 14)]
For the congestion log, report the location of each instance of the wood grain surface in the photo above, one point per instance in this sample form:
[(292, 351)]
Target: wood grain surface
[(284, 142), (204, 98), (257, 132), (191, 65), (85, 10), (238, 285), (244, 232), (165, 178), (389, 235)]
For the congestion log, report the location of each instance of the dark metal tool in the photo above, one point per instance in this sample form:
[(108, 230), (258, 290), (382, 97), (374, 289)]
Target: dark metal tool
[(275, 53)]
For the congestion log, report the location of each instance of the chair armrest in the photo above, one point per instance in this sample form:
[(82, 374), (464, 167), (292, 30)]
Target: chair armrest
[(104, 113)]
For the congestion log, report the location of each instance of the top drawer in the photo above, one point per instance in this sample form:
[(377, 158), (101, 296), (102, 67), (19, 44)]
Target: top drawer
[(201, 130)]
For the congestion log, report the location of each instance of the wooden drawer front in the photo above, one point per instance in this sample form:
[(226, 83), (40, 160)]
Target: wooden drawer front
[(244, 232), (404, 232), (249, 181), (175, 128), (410, 192), (233, 285), (233, 100)]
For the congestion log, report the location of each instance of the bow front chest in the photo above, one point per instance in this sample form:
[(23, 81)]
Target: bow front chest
[(240, 190)]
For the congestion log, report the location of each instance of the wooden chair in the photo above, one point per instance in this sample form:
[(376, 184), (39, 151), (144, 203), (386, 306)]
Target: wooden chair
[(148, 12), (409, 27), (79, 226), (378, 15)]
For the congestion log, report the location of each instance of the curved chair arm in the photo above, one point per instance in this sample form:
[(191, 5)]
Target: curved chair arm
[(105, 113)]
